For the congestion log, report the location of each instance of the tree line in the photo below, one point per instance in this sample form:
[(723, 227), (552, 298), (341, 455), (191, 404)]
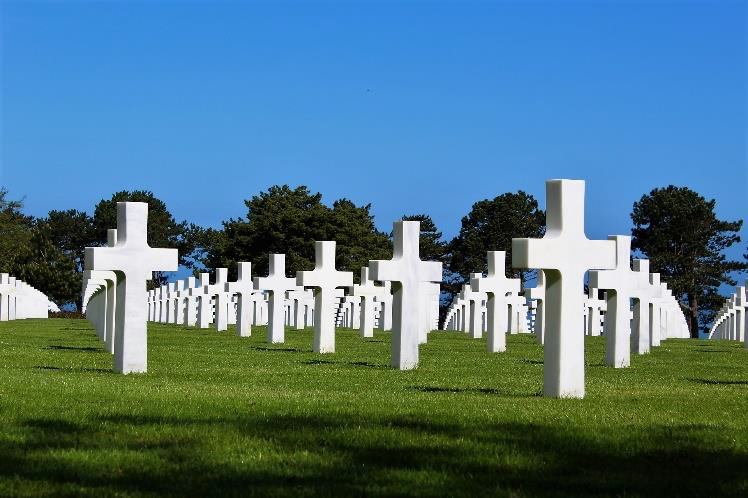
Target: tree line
[(675, 227)]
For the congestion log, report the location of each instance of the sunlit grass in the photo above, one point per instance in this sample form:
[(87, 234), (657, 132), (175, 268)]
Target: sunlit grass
[(218, 414)]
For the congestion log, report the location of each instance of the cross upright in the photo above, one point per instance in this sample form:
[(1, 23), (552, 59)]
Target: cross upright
[(497, 286), (537, 294), (654, 310), (243, 287), (277, 284), (642, 295), (171, 290), (473, 299), (744, 303), (218, 289), (385, 307), (564, 254), (178, 302), (202, 302), (325, 279), (406, 271), (110, 280), (134, 261), (621, 284), (367, 291), (594, 306)]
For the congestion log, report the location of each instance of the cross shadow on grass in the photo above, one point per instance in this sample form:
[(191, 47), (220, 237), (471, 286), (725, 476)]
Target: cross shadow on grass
[(76, 348), (318, 362), (349, 363), (471, 390), (280, 350), (70, 369), (534, 362), (395, 455), (713, 382)]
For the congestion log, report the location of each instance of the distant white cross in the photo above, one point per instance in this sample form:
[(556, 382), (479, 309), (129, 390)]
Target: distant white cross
[(244, 288), (406, 271), (497, 286), (218, 289), (324, 279), (621, 284), (277, 284), (537, 294), (201, 300), (564, 254), (367, 291), (654, 311)]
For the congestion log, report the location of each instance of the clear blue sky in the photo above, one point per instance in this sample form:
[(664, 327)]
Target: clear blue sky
[(413, 107)]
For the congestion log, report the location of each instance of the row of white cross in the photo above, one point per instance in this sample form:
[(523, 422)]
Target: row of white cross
[(564, 255), (19, 300), (508, 312), (116, 278), (197, 303), (731, 322)]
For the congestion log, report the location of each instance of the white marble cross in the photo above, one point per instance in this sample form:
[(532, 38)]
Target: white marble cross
[(178, 301), (204, 303), (109, 278), (200, 302), (406, 271), (594, 307), (218, 289), (385, 307), (244, 288), (325, 279), (537, 294), (497, 286), (367, 291), (277, 284), (640, 325), (473, 299), (134, 261), (621, 284), (654, 311), (565, 254)]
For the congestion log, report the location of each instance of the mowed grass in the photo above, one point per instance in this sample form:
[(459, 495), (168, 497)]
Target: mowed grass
[(221, 415)]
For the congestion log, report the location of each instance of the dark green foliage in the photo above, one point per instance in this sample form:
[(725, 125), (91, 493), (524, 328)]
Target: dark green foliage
[(27, 252), (219, 415), (490, 226), (678, 230), (432, 246), (289, 221)]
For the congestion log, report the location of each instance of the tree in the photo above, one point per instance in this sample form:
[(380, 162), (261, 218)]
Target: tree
[(289, 221), (71, 231), (678, 230), (15, 232), (163, 230), (27, 253), (432, 247), (490, 226)]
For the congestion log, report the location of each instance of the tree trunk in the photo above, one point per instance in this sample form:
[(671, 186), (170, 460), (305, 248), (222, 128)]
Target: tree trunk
[(693, 318)]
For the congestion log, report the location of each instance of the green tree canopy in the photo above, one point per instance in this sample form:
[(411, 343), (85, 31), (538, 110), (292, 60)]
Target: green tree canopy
[(678, 230), (289, 221), (28, 253), (432, 246), (490, 226)]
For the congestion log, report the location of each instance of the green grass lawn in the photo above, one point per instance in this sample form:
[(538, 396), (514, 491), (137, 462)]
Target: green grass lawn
[(217, 415)]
